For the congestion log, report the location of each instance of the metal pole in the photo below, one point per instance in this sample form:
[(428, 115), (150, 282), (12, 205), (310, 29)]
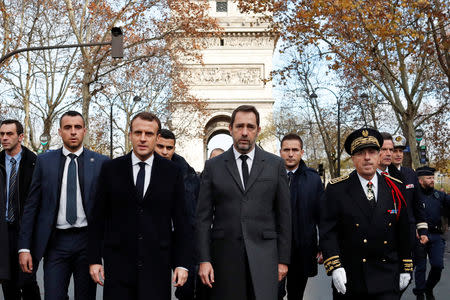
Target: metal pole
[(51, 47), (111, 132)]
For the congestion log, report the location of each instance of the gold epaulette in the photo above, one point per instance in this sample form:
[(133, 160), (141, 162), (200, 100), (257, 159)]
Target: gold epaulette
[(407, 265), (395, 179), (338, 179), (332, 263)]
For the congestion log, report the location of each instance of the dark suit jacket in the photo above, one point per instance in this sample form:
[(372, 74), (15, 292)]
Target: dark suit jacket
[(42, 205), (134, 235), (306, 191), (4, 240), (371, 244), (416, 209), (26, 167), (234, 224)]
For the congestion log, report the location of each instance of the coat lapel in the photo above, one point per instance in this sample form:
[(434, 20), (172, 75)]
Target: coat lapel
[(257, 167), (128, 167), (153, 176), (356, 192), (231, 166)]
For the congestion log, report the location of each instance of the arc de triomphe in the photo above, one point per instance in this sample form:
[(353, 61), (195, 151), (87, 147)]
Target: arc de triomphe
[(232, 74)]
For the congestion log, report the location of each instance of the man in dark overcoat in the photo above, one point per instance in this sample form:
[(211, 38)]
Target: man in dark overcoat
[(364, 230), (5, 272), (243, 223), (306, 190), (139, 224), (21, 285)]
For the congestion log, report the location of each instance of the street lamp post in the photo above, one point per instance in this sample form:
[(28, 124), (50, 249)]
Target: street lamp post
[(135, 99), (338, 102), (364, 98)]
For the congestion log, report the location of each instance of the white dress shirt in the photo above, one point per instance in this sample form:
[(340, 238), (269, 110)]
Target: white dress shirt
[(251, 156), (61, 222), (374, 181), (148, 169)]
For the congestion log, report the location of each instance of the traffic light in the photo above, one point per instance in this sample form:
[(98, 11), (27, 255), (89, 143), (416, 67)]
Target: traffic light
[(116, 42), (423, 154)]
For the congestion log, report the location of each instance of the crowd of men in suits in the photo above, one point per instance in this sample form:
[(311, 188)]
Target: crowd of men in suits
[(251, 226)]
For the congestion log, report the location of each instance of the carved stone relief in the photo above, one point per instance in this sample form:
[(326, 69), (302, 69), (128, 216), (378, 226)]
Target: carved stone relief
[(224, 75)]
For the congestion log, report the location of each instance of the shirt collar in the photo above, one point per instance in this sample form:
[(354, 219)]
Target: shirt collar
[(66, 152), (251, 154), (380, 171), (364, 181), (293, 171), (135, 160), (17, 157)]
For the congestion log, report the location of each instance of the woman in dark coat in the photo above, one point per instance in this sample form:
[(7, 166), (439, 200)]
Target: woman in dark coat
[(4, 245)]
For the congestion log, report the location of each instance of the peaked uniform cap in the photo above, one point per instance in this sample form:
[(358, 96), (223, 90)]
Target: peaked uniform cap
[(361, 139)]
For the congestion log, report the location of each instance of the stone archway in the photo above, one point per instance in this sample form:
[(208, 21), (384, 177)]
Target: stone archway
[(215, 126), (233, 72)]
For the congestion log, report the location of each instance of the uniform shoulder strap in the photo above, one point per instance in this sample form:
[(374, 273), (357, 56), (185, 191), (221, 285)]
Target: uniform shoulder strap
[(339, 179)]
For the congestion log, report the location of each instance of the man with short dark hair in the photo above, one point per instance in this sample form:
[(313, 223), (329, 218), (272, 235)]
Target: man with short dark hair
[(139, 228), (165, 146), (57, 213), (435, 202), (18, 162), (243, 218), (364, 232), (389, 152), (306, 190)]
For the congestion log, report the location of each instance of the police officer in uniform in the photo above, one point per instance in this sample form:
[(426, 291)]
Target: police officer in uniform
[(416, 210), (364, 231), (435, 201)]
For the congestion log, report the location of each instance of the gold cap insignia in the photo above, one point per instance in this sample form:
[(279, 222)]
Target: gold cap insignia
[(365, 133), (398, 138)]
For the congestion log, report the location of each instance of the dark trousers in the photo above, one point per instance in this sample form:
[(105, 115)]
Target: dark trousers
[(434, 249), (66, 256), (383, 296), (296, 279), (22, 285)]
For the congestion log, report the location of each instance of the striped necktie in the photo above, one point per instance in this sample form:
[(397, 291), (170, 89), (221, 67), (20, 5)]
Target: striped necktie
[(12, 191)]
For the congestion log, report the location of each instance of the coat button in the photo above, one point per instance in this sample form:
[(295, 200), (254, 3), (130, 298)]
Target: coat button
[(364, 260), (357, 225), (365, 241), (390, 224), (383, 260), (385, 242)]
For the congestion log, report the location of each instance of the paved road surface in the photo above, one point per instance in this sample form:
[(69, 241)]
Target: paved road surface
[(319, 287)]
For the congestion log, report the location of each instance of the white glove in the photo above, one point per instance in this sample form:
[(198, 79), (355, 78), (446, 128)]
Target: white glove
[(404, 280), (339, 280)]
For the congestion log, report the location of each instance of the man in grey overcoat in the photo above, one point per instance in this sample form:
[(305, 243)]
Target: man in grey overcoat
[(243, 224)]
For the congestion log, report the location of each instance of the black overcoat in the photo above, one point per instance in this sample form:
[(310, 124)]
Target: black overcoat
[(372, 245), (134, 235), (25, 174), (4, 240), (306, 191)]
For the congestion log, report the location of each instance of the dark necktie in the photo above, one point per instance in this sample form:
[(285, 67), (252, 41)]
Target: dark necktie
[(71, 191), (12, 191), (140, 180), (290, 177), (245, 173), (370, 194)]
